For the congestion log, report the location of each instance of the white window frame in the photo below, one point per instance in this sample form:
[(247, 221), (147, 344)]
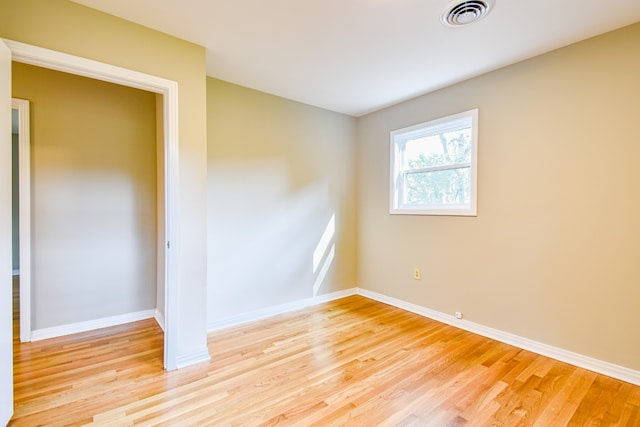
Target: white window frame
[(398, 140)]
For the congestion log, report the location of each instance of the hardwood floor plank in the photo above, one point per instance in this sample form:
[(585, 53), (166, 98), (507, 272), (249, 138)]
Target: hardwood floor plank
[(352, 362)]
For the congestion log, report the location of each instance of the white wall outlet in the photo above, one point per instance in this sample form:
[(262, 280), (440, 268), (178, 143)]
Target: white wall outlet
[(417, 274), (458, 315)]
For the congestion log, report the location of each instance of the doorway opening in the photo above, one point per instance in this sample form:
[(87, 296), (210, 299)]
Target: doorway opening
[(21, 213), (169, 236), (94, 235)]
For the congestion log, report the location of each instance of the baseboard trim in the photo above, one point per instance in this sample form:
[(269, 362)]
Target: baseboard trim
[(16, 272), (193, 358), (74, 328), (586, 362), (159, 318), (599, 366), (278, 309)]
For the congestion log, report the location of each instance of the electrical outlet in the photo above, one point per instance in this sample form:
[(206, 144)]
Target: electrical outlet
[(417, 274), (458, 315)]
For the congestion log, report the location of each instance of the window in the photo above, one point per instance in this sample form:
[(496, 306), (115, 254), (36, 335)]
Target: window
[(434, 167)]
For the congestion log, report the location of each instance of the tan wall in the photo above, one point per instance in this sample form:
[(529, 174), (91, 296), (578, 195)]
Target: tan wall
[(553, 253), (93, 195), (70, 28), (278, 172)]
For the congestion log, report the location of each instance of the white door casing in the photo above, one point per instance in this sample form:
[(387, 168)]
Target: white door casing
[(46, 58), (24, 203), (6, 284)]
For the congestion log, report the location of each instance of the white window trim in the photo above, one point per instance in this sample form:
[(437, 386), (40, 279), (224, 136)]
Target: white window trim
[(432, 127)]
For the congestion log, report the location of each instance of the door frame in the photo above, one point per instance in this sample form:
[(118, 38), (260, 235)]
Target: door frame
[(6, 328), (41, 57), (24, 215)]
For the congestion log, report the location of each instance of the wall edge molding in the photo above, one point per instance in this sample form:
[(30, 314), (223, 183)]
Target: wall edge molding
[(159, 318), (193, 358), (599, 366), (278, 309), (105, 322)]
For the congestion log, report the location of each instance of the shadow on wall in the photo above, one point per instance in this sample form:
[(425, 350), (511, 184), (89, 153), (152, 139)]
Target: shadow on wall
[(268, 244)]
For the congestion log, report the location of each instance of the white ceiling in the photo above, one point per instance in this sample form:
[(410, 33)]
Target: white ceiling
[(357, 56)]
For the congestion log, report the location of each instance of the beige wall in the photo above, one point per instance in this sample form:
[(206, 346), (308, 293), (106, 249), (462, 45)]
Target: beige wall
[(553, 253), (93, 195), (278, 172), (70, 28)]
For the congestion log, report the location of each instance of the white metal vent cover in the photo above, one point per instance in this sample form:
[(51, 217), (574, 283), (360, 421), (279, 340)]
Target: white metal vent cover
[(460, 13)]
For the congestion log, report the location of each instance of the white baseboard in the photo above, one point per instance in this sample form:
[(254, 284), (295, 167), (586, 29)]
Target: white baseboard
[(58, 331), (595, 365), (159, 318), (582, 361), (16, 272), (193, 358), (278, 309)]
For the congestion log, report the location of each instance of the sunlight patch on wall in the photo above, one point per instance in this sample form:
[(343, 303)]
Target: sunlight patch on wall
[(269, 243), (321, 250)]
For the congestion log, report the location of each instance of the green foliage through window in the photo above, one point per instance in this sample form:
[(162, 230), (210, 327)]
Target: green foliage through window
[(434, 166), (441, 187)]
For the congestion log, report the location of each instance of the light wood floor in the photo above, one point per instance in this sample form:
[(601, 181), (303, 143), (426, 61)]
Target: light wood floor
[(352, 362)]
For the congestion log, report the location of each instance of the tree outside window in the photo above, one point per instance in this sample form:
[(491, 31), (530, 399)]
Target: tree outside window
[(433, 167)]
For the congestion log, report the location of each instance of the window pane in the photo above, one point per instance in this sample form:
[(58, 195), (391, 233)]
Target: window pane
[(438, 150), (433, 167), (447, 187)]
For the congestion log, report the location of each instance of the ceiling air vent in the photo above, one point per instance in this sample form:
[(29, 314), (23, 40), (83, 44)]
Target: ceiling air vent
[(461, 13)]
